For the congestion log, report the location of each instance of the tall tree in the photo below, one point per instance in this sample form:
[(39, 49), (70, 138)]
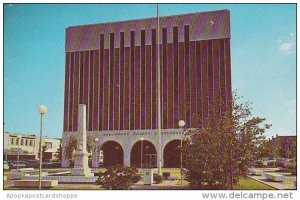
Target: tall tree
[(221, 150)]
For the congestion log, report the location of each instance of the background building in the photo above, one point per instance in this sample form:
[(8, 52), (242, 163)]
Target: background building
[(28, 146), (111, 68), (284, 144)]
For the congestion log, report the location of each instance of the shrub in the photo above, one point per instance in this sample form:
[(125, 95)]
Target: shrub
[(272, 164), (294, 172), (157, 178), (258, 163), (136, 177), (166, 175), (291, 165), (279, 164), (118, 177)]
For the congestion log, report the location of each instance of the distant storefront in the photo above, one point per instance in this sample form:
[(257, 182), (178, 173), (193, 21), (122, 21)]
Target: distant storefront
[(26, 146)]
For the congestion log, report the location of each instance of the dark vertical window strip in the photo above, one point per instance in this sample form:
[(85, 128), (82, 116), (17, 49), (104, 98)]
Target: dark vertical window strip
[(204, 77), (81, 65), (165, 79), (132, 44), (126, 104), (228, 89), (153, 62), (96, 91), (175, 50), (198, 81), (148, 89), (122, 83), (137, 88), (143, 79), (210, 76), (86, 80), (67, 90), (111, 79), (76, 91), (101, 88), (105, 89), (84, 73), (116, 88), (222, 71), (187, 74), (72, 65), (91, 92)]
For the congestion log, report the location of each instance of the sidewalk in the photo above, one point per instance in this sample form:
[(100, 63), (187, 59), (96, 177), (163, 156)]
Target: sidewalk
[(165, 185), (277, 185)]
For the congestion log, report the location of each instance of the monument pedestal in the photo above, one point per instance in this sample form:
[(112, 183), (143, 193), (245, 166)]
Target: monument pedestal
[(81, 166)]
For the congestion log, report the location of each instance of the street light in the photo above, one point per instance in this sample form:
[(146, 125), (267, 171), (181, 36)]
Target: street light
[(18, 152), (42, 110), (96, 150), (181, 124), (96, 140), (142, 152)]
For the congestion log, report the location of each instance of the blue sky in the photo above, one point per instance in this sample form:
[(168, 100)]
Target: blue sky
[(263, 53)]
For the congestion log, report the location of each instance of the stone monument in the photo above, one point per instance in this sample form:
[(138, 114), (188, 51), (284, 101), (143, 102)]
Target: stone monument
[(81, 167)]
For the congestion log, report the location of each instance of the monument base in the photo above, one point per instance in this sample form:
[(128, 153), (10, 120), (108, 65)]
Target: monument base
[(81, 167), (86, 172)]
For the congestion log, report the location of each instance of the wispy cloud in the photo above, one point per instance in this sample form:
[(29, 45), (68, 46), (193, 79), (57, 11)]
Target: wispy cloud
[(291, 103), (287, 46)]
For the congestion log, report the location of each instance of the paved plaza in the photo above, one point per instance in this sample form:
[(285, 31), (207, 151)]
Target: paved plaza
[(172, 183)]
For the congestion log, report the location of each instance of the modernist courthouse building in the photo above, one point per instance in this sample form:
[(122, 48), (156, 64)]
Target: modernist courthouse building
[(112, 69)]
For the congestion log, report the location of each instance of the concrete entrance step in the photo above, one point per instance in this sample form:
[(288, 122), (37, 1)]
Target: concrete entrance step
[(66, 179), (33, 183)]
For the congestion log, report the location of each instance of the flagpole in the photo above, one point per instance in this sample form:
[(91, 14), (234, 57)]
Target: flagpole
[(158, 97)]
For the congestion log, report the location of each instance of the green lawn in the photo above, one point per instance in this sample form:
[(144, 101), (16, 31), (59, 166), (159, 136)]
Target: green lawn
[(250, 184)]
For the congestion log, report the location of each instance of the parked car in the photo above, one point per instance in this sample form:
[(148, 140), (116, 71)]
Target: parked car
[(15, 165), (56, 164), (51, 163), (33, 163), (47, 164), (5, 165)]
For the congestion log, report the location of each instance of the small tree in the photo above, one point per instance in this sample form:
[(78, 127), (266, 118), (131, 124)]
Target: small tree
[(293, 150), (90, 144), (44, 149), (70, 147), (221, 150), (265, 150), (58, 154)]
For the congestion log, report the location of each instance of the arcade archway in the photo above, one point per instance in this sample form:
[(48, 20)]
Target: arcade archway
[(172, 154), (149, 154), (112, 153)]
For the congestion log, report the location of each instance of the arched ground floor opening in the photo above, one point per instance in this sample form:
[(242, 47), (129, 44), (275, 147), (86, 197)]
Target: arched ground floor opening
[(113, 153), (145, 158), (172, 154)]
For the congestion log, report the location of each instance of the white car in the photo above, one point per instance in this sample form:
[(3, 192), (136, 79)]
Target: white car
[(5, 165)]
